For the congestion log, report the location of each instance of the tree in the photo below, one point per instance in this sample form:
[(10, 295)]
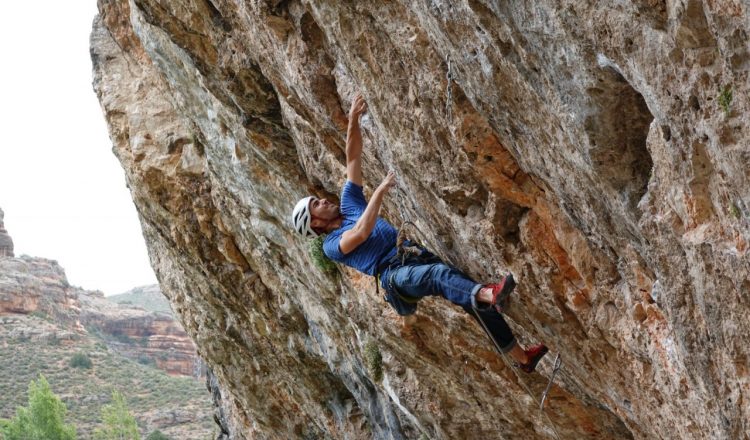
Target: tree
[(43, 419), (119, 424)]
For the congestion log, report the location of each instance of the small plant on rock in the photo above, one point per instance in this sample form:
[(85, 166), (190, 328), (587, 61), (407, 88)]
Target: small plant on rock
[(374, 360), (734, 210), (725, 99), (319, 257)]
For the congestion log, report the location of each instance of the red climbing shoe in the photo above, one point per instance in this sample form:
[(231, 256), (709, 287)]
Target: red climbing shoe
[(501, 292), (535, 354)]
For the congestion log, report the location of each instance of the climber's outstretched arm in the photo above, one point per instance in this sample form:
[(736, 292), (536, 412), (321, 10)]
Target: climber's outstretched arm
[(354, 141), (364, 226)]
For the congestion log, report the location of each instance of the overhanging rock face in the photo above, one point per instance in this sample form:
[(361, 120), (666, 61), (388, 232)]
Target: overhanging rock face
[(600, 154)]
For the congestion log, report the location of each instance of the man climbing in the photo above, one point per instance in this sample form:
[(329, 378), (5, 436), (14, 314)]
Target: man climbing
[(359, 238)]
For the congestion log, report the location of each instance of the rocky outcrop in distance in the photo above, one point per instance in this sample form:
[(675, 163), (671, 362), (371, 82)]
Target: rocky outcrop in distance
[(39, 286), (598, 152), (6, 243), (140, 334)]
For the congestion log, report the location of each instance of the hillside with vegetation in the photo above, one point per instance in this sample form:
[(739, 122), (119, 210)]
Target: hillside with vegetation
[(84, 372), (90, 350), (148, 298)]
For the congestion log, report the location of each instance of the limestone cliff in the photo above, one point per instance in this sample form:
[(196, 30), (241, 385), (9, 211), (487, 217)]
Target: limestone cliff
[(597, 151)]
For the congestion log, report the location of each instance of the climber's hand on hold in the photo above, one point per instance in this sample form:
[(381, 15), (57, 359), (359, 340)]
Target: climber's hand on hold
[(388, 183), (359, 106), (354, 141)]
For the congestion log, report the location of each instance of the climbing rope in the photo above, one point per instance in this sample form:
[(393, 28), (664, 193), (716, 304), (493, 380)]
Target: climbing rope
[(404, 251), (520, 380)]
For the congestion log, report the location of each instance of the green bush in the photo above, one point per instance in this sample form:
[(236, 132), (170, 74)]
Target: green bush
[(319, 257), (39, 314), (80, 360), (146, 360), (157, 435)]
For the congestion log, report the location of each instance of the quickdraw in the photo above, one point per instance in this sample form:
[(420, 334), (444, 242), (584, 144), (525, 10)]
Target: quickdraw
[(449, 89), (555, 369)]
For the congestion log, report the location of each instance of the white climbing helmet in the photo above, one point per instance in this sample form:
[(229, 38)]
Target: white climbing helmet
[(302, 217)]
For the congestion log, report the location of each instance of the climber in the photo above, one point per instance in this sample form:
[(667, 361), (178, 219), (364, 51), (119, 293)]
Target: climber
[(358, 238)]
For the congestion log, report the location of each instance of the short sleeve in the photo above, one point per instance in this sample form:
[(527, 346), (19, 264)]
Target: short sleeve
[(352, 199), (331, 246)]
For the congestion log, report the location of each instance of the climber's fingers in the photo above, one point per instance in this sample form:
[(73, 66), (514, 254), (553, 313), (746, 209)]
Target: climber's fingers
[(359, 105)]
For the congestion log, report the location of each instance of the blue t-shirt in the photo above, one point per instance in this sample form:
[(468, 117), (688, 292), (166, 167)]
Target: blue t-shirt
[(379, 246)]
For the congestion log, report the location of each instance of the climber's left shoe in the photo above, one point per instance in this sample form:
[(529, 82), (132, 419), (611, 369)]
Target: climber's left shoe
[(535, 354), (501, 293)]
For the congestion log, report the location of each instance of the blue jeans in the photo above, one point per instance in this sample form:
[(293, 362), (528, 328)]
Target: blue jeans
[(418, 279)]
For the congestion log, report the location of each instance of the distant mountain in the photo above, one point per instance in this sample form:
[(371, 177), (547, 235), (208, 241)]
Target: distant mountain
[(147, 297)]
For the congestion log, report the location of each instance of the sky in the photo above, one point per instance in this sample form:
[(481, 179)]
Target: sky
[(61, 188)]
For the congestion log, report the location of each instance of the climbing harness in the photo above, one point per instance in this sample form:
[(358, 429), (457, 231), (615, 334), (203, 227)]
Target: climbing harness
[(403, 305), (449, 90), (555, 369), (520, 380)]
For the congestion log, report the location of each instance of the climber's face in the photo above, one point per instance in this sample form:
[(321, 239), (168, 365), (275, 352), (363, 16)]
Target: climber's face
[(323, 212)]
